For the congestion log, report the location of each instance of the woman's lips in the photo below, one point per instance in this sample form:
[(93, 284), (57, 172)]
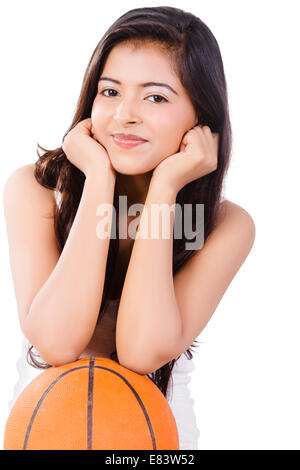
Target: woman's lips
[(127, 143)]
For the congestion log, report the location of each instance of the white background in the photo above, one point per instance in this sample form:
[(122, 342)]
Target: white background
[(246, 380)]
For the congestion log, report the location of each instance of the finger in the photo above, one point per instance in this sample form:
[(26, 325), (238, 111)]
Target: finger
[(216, 138), (206, 129), (214, 145), (200, 129), (87, 123), (84, 127)]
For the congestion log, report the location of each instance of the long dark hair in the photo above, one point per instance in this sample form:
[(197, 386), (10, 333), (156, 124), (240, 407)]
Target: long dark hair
[(197, 58)]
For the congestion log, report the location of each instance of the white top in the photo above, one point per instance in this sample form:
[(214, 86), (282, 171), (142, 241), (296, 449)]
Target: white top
[(182, 404)]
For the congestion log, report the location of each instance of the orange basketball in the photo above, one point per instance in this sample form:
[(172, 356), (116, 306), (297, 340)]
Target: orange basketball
[(92, 403)]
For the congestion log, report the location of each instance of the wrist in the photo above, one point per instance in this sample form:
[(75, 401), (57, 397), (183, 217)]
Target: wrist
[(163, 187), (100, 172)]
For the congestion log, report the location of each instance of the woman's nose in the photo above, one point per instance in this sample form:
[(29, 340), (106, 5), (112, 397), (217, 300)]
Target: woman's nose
[(127, 111)]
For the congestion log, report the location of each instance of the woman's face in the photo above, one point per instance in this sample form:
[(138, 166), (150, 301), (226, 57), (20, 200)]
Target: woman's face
[(155, 113)]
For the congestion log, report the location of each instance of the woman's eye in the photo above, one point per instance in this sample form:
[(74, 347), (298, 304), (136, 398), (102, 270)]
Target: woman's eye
[(107, 89), (161, 98), (158, 96)]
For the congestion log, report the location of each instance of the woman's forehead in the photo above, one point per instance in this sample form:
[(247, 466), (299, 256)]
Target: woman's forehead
[(137, 65)]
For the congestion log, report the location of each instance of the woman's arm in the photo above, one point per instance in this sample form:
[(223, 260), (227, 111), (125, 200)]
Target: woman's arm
[(61, 318), (153, 333), (148, 317)]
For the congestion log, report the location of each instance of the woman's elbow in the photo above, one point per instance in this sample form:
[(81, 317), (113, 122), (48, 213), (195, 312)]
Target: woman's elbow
[(56, 358), (54, 352)]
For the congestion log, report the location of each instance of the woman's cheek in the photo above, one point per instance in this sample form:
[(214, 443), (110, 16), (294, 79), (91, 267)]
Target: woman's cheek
[(165, 152), (98, 124), (97, 114), (172, 142)]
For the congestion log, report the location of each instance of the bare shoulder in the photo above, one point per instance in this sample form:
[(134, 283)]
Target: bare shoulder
[(230, 212), (22, 185), (234, 231), (33, 250)]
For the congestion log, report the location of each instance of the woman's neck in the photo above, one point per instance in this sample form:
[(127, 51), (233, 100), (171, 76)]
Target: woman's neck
[(135, 187)]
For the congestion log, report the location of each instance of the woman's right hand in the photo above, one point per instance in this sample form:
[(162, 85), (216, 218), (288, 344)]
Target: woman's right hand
[(84, 151)]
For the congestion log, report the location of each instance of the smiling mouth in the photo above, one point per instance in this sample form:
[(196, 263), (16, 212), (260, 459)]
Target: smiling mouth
[(127, 143)]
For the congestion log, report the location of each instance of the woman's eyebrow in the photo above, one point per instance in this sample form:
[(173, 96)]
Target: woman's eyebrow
[(141, 84)]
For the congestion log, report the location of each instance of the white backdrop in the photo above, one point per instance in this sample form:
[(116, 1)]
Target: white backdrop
[(246, 381)]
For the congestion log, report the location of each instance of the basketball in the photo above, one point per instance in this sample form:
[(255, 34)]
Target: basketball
[(91, 404)]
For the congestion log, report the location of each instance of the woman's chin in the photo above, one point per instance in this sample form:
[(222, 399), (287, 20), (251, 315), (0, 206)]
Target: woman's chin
[(125, 168)]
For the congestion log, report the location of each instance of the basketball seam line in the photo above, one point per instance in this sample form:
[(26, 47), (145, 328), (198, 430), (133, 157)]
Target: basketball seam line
[(90, 404)]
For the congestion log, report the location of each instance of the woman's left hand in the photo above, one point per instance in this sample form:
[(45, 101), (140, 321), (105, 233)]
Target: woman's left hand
[(197, 157)]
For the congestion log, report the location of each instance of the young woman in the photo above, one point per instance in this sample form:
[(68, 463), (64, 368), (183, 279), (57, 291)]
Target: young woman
[(151, 124)]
